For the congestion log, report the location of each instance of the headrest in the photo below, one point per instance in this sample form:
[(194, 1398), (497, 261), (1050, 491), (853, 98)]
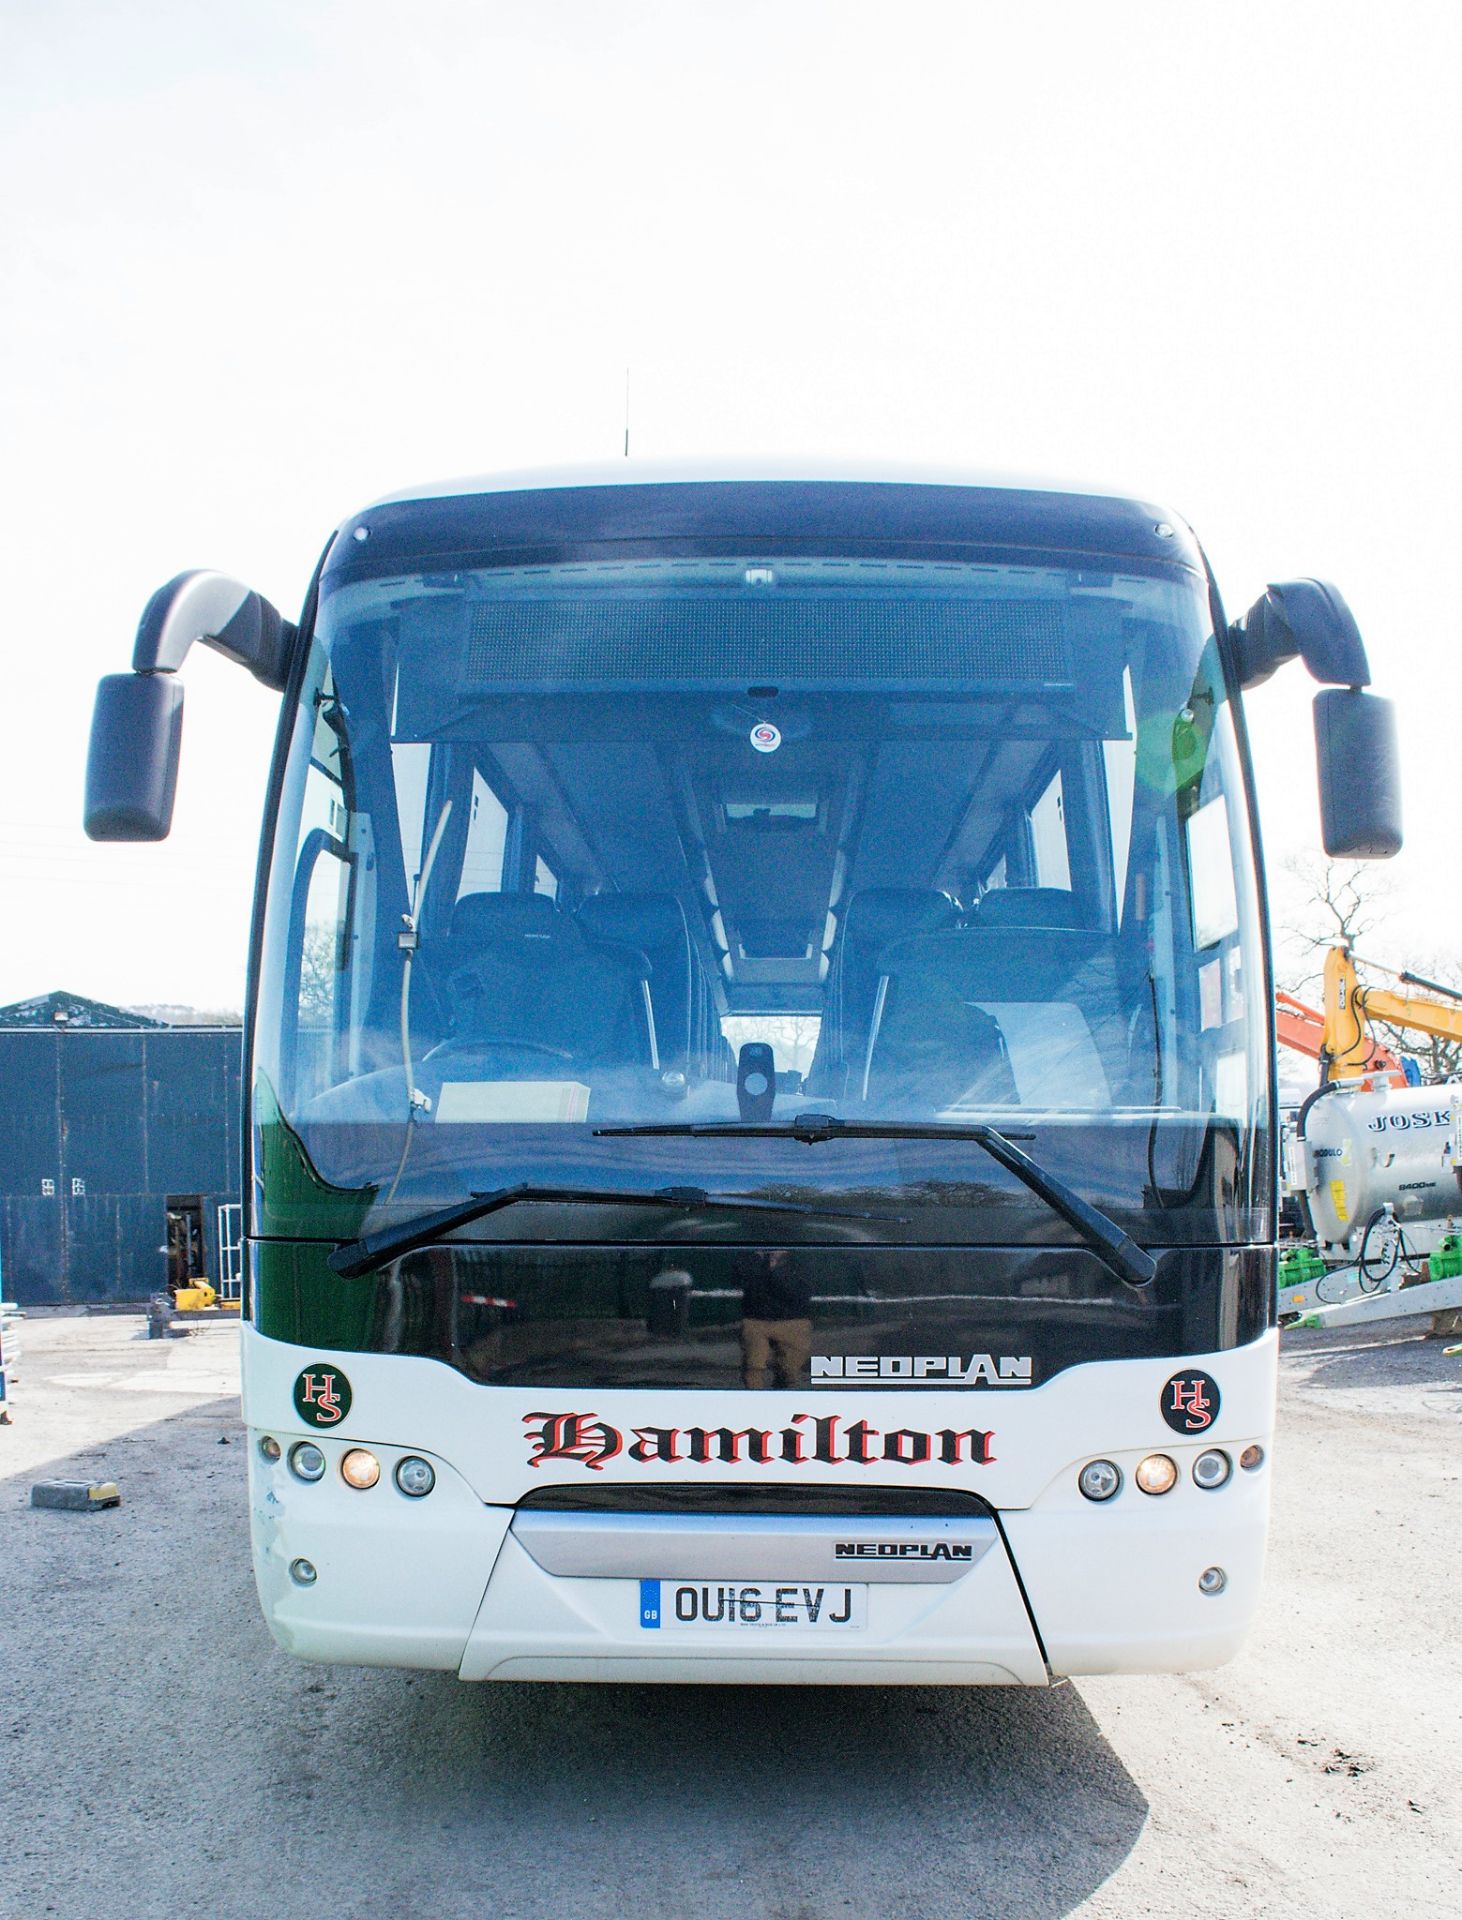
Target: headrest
[(482, 919), (647, 920), (1027, 907), (880, 914)]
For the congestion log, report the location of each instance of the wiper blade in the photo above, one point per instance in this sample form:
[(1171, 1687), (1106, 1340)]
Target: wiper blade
[(374, 1250), (807, 1127), (1118, 1252)]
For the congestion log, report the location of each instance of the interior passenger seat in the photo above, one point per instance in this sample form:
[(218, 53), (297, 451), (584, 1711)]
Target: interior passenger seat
[(1026, 907), (872, 920), (652, 925)]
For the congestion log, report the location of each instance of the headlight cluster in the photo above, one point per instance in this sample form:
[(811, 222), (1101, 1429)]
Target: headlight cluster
[(359, 1467), (1158, 1473)]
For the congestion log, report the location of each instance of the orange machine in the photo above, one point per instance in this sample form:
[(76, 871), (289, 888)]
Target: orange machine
[(1302, 1028)]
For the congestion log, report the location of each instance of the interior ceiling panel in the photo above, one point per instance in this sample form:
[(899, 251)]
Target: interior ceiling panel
[(772, 824)]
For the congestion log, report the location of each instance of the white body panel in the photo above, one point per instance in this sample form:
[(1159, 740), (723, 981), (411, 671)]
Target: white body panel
[(441, 1582), (1393, 1148)]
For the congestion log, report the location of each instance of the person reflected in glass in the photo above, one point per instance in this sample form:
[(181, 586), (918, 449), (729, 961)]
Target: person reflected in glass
[(776, 1319)]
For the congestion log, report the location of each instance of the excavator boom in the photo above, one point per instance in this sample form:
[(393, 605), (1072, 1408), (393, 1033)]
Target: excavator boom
[(1301, 1028), (1350, 1007)]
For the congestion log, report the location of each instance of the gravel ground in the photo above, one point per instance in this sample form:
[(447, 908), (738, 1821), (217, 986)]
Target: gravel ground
[(162, 1758)]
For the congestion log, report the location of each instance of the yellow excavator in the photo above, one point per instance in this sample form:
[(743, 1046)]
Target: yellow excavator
[(1350, 1007)]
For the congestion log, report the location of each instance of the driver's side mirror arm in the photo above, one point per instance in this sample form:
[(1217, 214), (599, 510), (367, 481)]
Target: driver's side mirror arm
[(1306, 620), (1359, 762), (137, 724)]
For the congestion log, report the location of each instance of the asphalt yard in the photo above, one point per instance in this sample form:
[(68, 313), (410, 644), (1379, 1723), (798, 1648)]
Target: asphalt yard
[(162, 1757)]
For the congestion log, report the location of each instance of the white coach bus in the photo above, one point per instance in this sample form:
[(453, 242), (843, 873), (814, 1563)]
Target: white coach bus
[(760, 1064)]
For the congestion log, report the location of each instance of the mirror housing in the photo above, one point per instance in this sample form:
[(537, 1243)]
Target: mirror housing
[(137, 723), (1307, 619), (132, 766), (1360, 774), (222, 614)]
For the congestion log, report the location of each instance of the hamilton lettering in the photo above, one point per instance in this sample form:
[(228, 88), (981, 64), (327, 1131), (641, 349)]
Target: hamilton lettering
[(585, 1440)]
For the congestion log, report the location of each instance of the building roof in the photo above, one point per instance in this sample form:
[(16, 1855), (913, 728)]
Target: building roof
[(64, 1009)]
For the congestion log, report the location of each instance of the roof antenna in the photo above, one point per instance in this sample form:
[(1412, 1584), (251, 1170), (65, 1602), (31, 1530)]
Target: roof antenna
[(626, 413)]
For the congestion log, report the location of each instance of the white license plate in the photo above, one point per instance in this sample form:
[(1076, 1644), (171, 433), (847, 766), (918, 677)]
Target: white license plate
[(751, 1603)]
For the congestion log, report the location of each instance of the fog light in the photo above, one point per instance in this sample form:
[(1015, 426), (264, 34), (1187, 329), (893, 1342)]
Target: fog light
[(1156, 1474), (270, 1448), (415, 1477), (306, 1462), (360, 1469), (1250, 1458), (1211, 1469), (1099, 1479), (1212, 1580), (302, 1572)]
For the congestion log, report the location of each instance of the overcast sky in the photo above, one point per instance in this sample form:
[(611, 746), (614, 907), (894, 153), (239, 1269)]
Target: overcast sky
[(260, 265)]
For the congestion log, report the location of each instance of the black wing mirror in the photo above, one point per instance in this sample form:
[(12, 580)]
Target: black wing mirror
[(137, 724), (132, 767), (1359, 765), (1357, 757)]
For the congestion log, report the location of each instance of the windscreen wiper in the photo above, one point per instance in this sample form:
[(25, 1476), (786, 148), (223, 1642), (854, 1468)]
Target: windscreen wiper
[(1118, 1252), (373, 1250)]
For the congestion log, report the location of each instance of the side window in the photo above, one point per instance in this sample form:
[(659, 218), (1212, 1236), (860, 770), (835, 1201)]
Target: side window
[(1120, 761), (1211, 873), (410, 768), (321, 969), (487, 834), (545, 880), (1222, 912), (1049, 853), (320, 913)]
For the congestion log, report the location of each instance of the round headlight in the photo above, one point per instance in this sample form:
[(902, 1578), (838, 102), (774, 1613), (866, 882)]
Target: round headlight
[(302, 1572), (1211, 1469), (1156, 1474), (1099, 1479), (270, 1448), (306, 1462), (360, 1468), (1212, 1580), (1250, 1458), (415, 1476)]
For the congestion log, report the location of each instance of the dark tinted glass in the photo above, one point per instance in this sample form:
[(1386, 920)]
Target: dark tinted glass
[(956, 841)]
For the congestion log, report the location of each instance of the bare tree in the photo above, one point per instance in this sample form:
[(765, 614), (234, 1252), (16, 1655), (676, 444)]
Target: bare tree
[(1330, 901), (1348, 900), (318, 957)]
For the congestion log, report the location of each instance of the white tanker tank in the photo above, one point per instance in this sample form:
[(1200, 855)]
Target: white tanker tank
[(1396, 1148)]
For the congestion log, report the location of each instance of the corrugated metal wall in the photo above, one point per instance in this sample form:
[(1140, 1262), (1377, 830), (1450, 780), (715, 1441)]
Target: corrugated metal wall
[(96, 1130)]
